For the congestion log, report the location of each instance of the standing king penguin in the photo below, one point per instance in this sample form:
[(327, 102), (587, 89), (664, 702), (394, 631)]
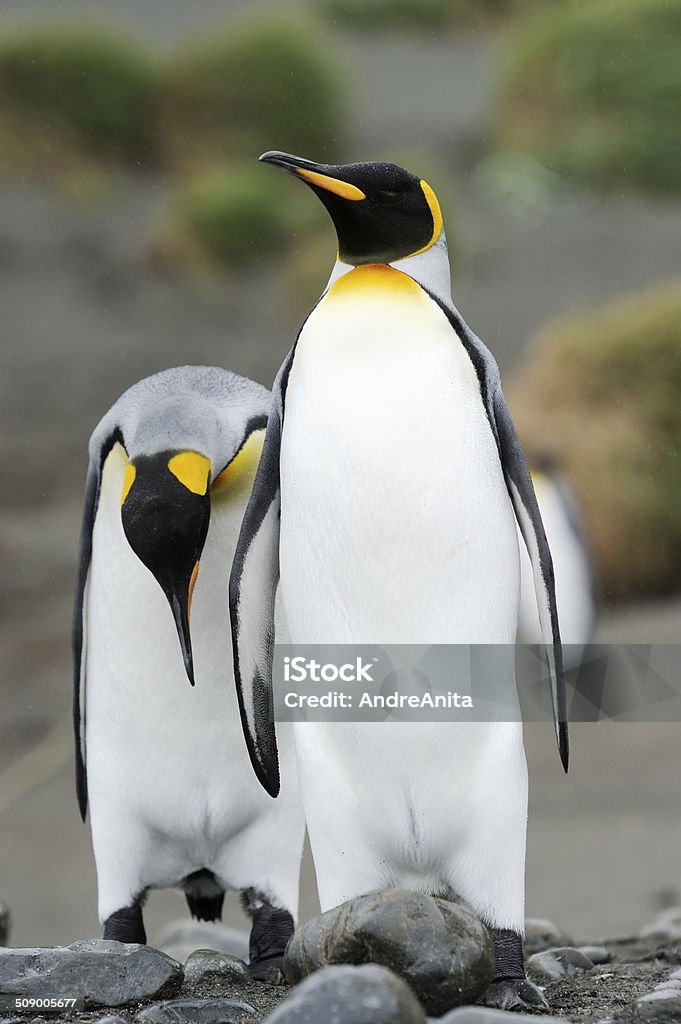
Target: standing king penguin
[(385, 507), (173, 800)]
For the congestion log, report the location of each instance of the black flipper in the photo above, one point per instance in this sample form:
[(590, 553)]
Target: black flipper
[(521, 491), (79, 624), (252, 590)]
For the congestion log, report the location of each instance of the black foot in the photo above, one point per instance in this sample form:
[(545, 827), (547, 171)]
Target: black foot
[(510, 989), (271, 972), (515, 994), (271, 929), (126, 925)]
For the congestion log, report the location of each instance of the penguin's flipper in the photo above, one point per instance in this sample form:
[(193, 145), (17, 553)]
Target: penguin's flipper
[(521, 491), (524, 501), (78, 632), (252, 590), (102, 441)]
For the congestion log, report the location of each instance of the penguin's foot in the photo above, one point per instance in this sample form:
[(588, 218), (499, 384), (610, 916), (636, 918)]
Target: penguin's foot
[(515, 994), (126, 925), (510, 989), (271, 929), (269, 971)]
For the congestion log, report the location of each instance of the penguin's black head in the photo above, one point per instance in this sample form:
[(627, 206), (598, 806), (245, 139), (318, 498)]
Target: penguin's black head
[(381, 212), (165, 508)]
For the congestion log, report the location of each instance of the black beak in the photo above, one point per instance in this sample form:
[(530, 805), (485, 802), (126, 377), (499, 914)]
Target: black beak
[(293, 163), (322, 177), (180, 610)]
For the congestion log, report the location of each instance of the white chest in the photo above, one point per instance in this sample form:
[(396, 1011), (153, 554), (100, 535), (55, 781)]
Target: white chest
[(393, 499)]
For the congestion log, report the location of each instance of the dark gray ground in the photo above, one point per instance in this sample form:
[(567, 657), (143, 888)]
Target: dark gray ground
[(84, 315)]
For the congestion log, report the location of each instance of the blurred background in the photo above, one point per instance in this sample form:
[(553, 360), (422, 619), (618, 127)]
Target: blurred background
[(138, 232)]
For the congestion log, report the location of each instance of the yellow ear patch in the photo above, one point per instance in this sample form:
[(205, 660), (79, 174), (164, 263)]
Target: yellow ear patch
[(436, 213), (192, 470), (128, 481), (339, 188), (238, 475)]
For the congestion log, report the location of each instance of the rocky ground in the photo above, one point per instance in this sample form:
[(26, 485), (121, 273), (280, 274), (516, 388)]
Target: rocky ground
[(622, 981)]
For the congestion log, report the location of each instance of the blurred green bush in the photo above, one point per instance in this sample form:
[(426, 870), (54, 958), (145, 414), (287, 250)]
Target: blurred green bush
[(266, 85), (593, 90), (603, 394), (73, 94), (233, 217), (421, 15)]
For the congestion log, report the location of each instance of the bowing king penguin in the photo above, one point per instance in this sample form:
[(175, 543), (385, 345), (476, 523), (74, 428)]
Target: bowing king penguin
[(384, 508), (160, 754)]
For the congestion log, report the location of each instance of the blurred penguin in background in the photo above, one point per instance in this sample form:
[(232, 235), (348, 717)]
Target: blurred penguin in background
[(574, 577), (160, 755)]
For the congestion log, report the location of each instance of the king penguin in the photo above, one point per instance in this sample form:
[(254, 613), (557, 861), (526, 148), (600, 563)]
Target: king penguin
[(173, 801), (384, 508)]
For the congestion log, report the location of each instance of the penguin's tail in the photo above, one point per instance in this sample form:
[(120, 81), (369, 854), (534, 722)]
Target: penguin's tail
[(204, 896)]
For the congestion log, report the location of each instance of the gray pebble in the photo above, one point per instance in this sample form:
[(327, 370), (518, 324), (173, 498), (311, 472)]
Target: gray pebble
[(676, 975), (660, 1006), (671, 984), (543, 934), (553, 964), (439, 948), (350, 995), (665, 925), (197, 1011), (596, 954), (487, 1015), (104, 973), (208, 965)]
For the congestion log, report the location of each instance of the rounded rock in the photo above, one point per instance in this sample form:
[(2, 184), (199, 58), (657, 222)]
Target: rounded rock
[(103, 972), (541, 934), (666, 925), (368, 994), (596, 954), (204, 966), (197, 1011), (553, 964), (439, 948), (663, 1006), (487, 1015)]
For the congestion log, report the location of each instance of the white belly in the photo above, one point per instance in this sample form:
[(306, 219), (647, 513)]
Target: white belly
[(396, 524)]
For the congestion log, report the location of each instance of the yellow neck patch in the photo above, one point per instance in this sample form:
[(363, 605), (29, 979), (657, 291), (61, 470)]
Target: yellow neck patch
[(339, 188), (238, 475), (192, 470), (128, 481), (372, 276), (436, 213)]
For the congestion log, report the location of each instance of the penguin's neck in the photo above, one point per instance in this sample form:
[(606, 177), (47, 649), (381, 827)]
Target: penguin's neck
[(430, 269)]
